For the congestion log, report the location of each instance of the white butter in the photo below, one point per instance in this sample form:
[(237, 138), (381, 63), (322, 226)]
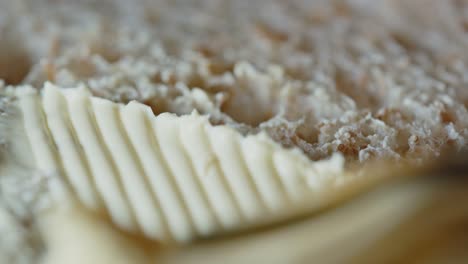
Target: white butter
[(127, 167), (167, 128), (136, 118), (170, 178), (258, 157), (42, 147), (225, 144), (75, 167), (205, 163), (98, 157)]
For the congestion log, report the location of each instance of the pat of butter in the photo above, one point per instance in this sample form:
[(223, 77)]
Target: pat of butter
[(171, 178)]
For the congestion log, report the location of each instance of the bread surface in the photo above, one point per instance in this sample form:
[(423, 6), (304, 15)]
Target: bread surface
[(362, 79), (369, 79)]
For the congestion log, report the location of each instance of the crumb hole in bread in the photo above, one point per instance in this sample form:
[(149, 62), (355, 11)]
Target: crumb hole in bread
[(15, 62), (356, 89), (246, 109), (270, 33)]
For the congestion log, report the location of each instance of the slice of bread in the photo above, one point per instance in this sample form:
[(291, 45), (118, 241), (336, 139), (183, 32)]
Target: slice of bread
[(359, 79)]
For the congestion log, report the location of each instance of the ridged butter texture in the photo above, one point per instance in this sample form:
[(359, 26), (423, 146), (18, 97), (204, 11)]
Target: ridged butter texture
[(171, 178)]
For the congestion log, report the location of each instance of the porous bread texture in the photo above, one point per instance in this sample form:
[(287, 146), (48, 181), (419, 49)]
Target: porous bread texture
[(17, 235), (369, 79)]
